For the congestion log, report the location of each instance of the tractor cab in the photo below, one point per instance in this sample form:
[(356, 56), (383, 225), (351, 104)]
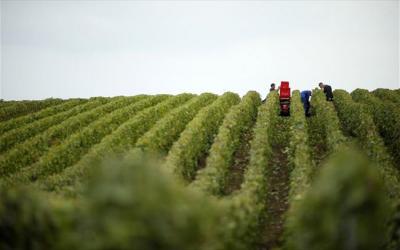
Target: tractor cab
[(284, 98)]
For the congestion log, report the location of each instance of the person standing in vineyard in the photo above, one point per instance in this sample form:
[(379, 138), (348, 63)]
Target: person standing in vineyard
[(327, 90), (272, 88), (305, 99)]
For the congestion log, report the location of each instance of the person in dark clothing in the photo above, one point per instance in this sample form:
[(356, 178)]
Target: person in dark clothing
[(272, 87), (327, 90), (305, 99)]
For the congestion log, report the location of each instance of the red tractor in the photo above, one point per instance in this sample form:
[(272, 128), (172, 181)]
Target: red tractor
[(284, 98)]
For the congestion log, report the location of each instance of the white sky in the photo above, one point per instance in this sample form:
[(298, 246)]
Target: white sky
[(106, 48)]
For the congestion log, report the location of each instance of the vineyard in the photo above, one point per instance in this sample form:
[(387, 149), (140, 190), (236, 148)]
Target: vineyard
[(201, 172)]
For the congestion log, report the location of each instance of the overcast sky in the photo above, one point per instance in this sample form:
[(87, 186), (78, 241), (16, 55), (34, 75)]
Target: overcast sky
[(106, 48)]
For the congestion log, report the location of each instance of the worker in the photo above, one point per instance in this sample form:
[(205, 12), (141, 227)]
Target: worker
[(305, 99), (327, 90), (272, 87)]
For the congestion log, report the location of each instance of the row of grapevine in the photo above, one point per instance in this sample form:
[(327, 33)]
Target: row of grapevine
[(346, 193), (329, 121), (300, 161), (77, 144), (29, 118), (326, 125), (213, 178), (129, 204), (118, 142), (31, 150), (386, 116), (4, 104), (299, 152), (15, 136), (244, 210), (350, 217), (346, 207), (357, 121), (350, 171), (160, 138), (197, 138), (387, 95), (25, 107)]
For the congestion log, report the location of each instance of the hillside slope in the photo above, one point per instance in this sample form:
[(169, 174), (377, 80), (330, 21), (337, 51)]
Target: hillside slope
[(230, 173)]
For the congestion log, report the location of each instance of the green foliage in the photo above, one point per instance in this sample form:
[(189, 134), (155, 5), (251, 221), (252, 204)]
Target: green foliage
[(119, 215), (244, 210), (4, 103), (198, 136), (12, 137), (136, 204), (240, 119), (76, 145), (300, 161), (114, 213), (32, 150), (329, 122), (16, 109), (387, 95), (29, 118), (26, 221), (346, 208), (299, 151), (120, 141), (394, 229), (386, 116), (357, 121), (316, 137), (160, 138)]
